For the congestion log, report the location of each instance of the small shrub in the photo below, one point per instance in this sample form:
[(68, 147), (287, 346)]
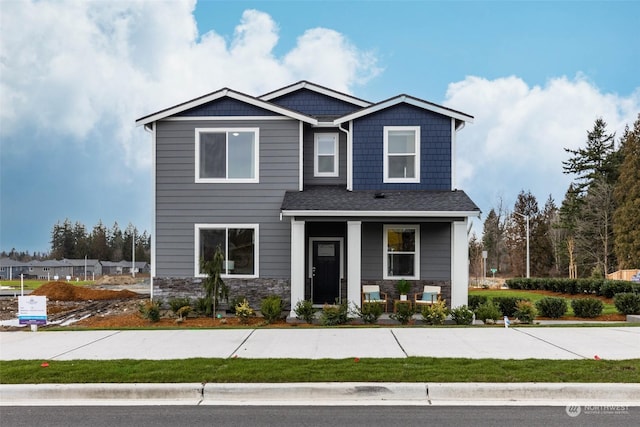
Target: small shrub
[(507, 305), (201, 306), (177, 303), (244, 311), (525, 311), (552, 307), (337, 314), (436, 313), (476, 301), (403, 314), (370, 312), (271, 308), (587, 307), (462, 315), (150, 310), (627, 303), (235, 301), (304, 310), (488, 310)]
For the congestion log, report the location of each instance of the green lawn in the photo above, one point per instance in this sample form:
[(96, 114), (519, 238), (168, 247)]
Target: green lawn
[(35, 284), (413, 369), (533, 296)]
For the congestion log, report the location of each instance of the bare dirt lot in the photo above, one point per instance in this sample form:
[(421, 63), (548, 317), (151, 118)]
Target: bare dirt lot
[(107, 304)]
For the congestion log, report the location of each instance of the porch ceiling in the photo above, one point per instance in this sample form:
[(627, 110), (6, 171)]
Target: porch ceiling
[(337, 201)]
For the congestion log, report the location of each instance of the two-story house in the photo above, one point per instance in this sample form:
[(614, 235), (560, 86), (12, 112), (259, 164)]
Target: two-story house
[(310, 192)]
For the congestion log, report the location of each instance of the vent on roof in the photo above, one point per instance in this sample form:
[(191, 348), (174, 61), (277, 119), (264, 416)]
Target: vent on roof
[(378, 196)]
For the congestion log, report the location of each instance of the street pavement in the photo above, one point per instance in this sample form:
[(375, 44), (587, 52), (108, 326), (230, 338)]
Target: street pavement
[(316, 343)]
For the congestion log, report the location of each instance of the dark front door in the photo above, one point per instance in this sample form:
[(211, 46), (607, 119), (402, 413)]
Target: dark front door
[(326, 271)]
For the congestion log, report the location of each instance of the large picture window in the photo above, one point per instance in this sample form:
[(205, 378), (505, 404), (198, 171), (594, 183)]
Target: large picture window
[(401, 252), (325, 151), (227, 155), (239, 244), (401, 154)]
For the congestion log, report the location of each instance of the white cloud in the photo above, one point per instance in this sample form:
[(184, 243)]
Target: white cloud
[(84, 71), (518, 138)]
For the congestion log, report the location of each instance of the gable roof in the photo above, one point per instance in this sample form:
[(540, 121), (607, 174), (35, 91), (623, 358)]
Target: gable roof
[(304, 84), (225, 92), (338, 201), (407, 99)]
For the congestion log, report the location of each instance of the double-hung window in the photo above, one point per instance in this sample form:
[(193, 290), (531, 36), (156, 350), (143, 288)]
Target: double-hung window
[(401, 154), (227, 155), (325, 154), (238, 243), (401, 252)]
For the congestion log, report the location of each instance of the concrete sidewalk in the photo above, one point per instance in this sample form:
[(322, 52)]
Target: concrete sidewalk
[(334, 343), (316, 343)]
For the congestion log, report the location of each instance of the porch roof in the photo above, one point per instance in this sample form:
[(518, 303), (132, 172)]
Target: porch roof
[(338, 201)]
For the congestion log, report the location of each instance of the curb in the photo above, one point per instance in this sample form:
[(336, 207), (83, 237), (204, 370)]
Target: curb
[(551, 394)]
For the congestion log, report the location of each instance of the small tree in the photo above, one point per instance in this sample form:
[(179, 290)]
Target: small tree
[(215, 289)]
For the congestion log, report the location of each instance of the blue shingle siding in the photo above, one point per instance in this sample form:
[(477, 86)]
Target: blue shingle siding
[(435, 148), (315, 104), (226, 107)]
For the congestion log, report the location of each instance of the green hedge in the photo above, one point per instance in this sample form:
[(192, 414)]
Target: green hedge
[(600, 287)]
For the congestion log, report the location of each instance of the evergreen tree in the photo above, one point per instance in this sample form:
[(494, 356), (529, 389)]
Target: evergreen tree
[(596, 161), (516, 232), (594, 231), (116, 243), (99, 245), (626, 217), (493, 238)]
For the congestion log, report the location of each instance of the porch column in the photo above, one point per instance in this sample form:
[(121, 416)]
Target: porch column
[(297, 263), (459, 263), (354, 254)]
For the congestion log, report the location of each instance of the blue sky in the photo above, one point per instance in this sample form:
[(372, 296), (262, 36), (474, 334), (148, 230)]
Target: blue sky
[(74, 76)]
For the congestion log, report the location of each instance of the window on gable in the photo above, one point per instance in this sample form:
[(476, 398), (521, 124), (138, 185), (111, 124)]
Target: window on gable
[(325, 155), (227, 155), (401, 252), (239, 245), (401, 154)]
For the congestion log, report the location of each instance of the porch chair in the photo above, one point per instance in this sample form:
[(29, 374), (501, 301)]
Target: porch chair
[(372, 294), (429, 295)]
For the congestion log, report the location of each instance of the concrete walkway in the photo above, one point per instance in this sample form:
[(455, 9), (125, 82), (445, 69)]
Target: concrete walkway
[(334, 343)]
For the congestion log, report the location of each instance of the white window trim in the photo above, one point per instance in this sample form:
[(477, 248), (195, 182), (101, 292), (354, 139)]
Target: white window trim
[(386, 177), (256, 156), (336, 148), (385, 252), (226, 227)]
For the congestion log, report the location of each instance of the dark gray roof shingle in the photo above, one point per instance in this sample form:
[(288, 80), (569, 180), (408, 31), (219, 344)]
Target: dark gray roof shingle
[(333, 198)]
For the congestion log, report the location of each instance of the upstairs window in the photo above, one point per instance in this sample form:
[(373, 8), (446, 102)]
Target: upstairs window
[(402, 252), (227, 155), (401, 154), (325, 154)]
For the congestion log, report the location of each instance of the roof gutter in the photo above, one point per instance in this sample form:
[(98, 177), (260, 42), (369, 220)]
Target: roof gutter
[(415, 214)]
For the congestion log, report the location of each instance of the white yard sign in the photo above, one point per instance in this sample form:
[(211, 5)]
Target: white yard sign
[(32, 310)]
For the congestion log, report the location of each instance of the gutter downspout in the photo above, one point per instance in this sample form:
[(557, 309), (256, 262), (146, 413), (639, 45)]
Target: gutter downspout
[(349, 155)]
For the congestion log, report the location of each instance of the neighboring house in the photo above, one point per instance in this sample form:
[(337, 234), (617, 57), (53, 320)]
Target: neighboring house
[(123, 267), (11, 269), (50, 269), (310, 193)]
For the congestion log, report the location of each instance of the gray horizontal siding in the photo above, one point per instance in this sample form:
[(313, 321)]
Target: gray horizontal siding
[(181, 203), (435, 251)]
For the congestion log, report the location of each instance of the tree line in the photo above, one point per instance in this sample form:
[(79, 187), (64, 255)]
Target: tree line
[(595, 230), (73, 241)]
